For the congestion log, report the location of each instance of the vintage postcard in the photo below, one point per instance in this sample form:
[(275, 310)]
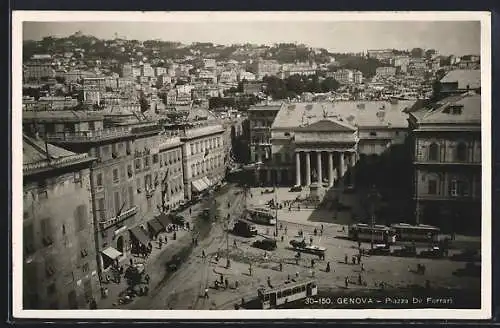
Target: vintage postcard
[(258, 165)]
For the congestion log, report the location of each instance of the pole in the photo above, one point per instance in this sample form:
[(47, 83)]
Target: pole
[(276, 211)]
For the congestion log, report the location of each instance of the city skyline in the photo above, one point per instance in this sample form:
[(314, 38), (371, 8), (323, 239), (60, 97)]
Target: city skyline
[(447, 37)]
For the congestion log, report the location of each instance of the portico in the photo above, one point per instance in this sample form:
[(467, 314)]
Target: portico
[(329, 166)]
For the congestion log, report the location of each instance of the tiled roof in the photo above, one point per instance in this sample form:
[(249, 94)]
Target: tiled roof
[(464, 77), (470, 104), (354, 113)]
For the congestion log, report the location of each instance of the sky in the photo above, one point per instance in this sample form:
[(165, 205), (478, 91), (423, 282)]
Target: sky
[(447, 37)]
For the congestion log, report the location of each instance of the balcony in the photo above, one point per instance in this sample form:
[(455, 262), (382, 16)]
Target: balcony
[(104, 224), (88, 136)]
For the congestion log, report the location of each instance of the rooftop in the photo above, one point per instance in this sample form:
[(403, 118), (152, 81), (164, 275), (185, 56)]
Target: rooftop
[(462, 109), (464, 77), (38, 156), (346, 113), (62, 116)]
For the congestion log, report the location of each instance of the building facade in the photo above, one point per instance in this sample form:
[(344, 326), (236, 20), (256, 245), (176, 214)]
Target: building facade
[(447, 163), (59, 268), (204, 158)]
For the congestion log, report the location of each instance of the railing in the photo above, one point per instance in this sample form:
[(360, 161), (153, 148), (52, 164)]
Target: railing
[(107, 223), (82, 136), (54, 162)]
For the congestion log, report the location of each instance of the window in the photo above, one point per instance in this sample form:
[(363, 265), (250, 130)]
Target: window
[(85, 268), (155, 158), (81, 217), (28, 239), (49, 266), (130, 172), (432, 187), (122, 172), (137, 165), (128, 147), (373, 134), (114, 152), (147, 181), (146, 162), (99, 179), (278, 158), (462, 152), (433, 152), (117, 203), (192, 149), (131, 196), (100, 209), (116, 179), (77, 177), (46, 227)]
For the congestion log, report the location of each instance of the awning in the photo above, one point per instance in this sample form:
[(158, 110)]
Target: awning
[(164, 220), (207, 181), (199, 185), (112, 253), (155, 225), (139, 234)]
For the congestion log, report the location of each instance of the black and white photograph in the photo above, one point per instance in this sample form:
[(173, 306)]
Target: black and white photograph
[(251, 165)]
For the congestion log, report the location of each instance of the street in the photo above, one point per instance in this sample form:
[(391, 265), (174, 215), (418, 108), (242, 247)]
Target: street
[(185, 288)]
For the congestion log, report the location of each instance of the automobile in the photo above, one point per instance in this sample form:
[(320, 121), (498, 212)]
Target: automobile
[(244, 228), (469, 255), (267, 191), (173, 264), (265, 244), (177, 219), (296, 189), (471, 270), (379, 249), (301, 246), (405, 251), (434, 252)]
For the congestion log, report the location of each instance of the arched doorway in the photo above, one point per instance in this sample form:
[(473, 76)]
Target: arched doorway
[(119, 244)]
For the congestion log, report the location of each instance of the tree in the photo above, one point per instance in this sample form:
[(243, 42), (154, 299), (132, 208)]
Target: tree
[(329, 84), (417, 52)]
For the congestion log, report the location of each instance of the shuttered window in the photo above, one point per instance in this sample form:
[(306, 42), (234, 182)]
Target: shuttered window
[(81, 217)]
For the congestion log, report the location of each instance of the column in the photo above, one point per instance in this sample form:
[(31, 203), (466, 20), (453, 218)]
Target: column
[(330, 169), (353, 169), (319, 168), (269, 177), (278, 177), (297, 169), (308, 169), (341, 165)]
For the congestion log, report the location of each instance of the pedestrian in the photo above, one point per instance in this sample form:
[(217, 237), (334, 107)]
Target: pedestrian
[(269, 282), (175, 235), (160, 241), (298, 207), (236, 284), (234, 244), (312, 263), (311, 240), (203, 255), (226, 283), (281, 226), (150, 246), (288, 277), (281, 266), (359, 244), (250, 270), (297, 274), (345, 259), (315, 232), (360, 280), (286, 229), (282, 238), (354, 260), (321, 229), (327, 267), (190, 211), (206, 293), (346, 281), (221, 278), (131, 262)]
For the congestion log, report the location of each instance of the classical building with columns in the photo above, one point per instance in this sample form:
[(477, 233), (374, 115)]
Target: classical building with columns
[(322, 142)]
